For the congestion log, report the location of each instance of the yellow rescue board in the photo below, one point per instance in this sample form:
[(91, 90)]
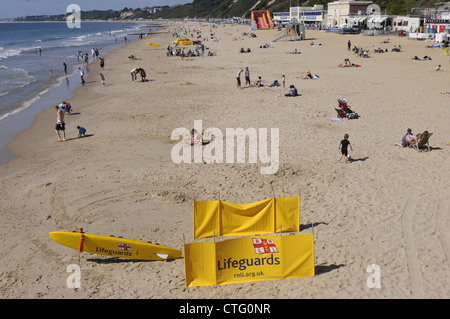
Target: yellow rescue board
[(153, 44), (114, 247)]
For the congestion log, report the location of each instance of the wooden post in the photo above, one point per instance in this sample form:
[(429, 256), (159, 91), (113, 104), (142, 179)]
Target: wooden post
[(80, 247)]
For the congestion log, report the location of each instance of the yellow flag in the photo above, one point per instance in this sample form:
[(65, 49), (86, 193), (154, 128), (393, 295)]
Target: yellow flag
[(247, 259), (268, 216)]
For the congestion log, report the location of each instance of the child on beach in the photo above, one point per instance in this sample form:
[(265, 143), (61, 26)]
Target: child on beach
[(81, 131), (247, 77), (345, 143), (102, 78)]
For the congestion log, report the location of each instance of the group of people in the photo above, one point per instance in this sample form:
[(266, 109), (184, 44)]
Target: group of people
[(60, 127), (176, 51), (345, 64), (425, 58), (361, 52), (138, 71), (95, 53), (247, 77), (266, 45)]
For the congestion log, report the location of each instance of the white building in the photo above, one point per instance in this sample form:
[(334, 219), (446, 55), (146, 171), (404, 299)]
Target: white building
[(407, 24), (281, 17), (308, 15), (346, 13)]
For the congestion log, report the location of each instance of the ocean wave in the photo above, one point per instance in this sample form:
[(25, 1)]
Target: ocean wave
[(33, 100), (5, 53), (13, 79), (49, 39)]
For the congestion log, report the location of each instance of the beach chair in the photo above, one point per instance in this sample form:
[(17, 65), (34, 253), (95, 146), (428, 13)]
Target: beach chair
[(423, 142)]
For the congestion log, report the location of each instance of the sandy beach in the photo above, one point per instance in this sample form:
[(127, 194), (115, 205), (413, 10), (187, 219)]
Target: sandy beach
[(389, 206)]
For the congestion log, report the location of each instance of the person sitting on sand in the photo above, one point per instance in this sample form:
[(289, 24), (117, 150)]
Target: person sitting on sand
[(259, 83), (407, 139), (274, 83), (292, 91), (345, 64)]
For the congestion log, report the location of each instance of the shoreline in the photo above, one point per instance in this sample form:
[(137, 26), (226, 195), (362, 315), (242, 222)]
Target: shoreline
[(15, 122), (387, 207), (37, 123)]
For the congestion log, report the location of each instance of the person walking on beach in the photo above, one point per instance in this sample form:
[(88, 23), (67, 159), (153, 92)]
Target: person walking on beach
[(283, 81), (349, 44), (102, 63), (82, 76), (102, 78), (60, 126), (65, 67), (343, 146), (238, 78)]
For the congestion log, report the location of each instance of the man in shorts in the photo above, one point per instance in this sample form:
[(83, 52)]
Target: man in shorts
[(60, 126), (238, 78)]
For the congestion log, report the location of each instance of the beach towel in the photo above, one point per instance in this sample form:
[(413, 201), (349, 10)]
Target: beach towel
[(334, 119)]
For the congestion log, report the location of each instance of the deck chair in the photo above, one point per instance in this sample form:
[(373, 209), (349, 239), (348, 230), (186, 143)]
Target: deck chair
[(423, 143)]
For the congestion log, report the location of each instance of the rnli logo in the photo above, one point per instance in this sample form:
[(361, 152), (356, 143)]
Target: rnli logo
[(124, 247), (264, 246)]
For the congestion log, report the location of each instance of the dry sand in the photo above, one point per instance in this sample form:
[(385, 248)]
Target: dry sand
[(388, 207)]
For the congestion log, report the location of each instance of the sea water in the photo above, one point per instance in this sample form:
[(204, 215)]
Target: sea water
[(32, 75)]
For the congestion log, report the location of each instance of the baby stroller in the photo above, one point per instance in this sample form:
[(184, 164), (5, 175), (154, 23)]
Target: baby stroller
[(344, 110)]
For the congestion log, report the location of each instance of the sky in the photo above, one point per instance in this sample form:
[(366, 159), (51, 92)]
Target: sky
[(19, 8)]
